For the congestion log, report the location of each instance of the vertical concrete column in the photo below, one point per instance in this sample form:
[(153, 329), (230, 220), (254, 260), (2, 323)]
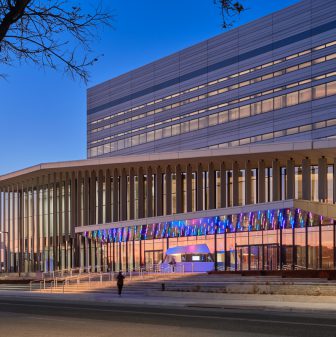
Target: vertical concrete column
[(123, 195), (66, 206), (20, 234), (4, 236), (276, 180), (77, 237), (306, 179), (178, 189), (108, 204), (261, 181), (290, 171), (93, 255), (159, 191), (92, 211), (38, 232), (47, 246), (17, 226), (1, 225), (248, 183), (79, 198), (149, 190), (323, 179), (199, 188), (100, 196), (131, 198), (168, 183), (115, 192), (86, 192), (189, 188), (212, 186), (60, 220), (141, 193), (26, 227), (54, 238), (334, 187), (223, 195), (235, 184), (73, 205), (9, 234)]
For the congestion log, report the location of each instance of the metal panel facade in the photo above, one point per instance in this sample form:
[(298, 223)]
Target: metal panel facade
[(271, 80)]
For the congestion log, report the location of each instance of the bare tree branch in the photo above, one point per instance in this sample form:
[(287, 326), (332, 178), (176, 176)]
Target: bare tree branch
[(51, 33), (229, 9)]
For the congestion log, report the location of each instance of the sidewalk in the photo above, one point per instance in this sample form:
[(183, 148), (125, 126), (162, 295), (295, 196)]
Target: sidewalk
[(288, 303)]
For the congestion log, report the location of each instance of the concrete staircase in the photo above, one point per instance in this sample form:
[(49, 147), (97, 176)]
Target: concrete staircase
[(136, 285), (151, 283)]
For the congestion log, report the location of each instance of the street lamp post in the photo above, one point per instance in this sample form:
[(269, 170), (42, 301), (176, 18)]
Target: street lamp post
[(5, 253)]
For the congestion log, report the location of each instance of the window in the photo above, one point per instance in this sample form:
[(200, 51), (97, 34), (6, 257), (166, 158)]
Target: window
[(292, 98), (121, 144), (184, 127), (267, 105), (175, 129), (193, 125), (100, 150), (150, 136), (158, 134), (278, 102), (166, 132), (319, 91), (305, 128), (142, 138), (331, 88), (213, 119), (256, 108), (234, 114), (135, 140), (305, 95), (203, 122), (223, 117), (244, 111), (107, 148), (93, 152)]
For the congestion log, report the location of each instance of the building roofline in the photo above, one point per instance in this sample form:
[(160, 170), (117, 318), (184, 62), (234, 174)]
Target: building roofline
[(272, 150)]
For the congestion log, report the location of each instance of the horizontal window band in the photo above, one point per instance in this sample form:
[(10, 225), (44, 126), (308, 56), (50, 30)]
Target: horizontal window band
[(219, 65)]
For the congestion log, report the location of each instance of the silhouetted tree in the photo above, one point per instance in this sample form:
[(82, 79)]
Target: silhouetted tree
[(58, 33), (229, 9), (51, 33)]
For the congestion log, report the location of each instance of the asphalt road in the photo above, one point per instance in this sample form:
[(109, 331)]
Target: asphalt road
[(34, 317)]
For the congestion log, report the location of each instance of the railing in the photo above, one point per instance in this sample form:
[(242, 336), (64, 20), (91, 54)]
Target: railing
[(178, 268), (75, 276), (73, 271)]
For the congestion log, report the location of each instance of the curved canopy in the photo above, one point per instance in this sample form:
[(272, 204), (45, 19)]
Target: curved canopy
[(191, 249)]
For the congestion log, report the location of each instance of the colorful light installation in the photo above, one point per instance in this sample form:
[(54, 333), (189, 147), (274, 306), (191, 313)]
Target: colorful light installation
[(243, 222)]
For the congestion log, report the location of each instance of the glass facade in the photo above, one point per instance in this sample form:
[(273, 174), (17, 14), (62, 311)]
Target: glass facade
[(281, 239), (38, 221)]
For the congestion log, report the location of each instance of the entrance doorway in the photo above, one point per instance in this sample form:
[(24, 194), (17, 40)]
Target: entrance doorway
[(271, 257), (153, 257), (257, 257)]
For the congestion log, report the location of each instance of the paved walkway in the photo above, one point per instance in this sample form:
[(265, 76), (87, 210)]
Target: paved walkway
[(326, 304)]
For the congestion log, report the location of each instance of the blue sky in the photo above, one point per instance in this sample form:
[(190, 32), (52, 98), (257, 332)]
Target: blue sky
[(43, 113)]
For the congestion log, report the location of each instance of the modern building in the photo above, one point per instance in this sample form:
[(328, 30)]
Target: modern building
[(230, 143)]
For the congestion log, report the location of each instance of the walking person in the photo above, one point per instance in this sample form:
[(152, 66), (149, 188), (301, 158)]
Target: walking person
[(120, 282)]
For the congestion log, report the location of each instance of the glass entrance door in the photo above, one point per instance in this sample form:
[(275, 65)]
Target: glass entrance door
[(242, 257), (153, 257), (256, 257), (271, 257)]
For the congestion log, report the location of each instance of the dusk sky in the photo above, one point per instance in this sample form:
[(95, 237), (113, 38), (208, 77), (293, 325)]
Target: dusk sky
[(43, 112)]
